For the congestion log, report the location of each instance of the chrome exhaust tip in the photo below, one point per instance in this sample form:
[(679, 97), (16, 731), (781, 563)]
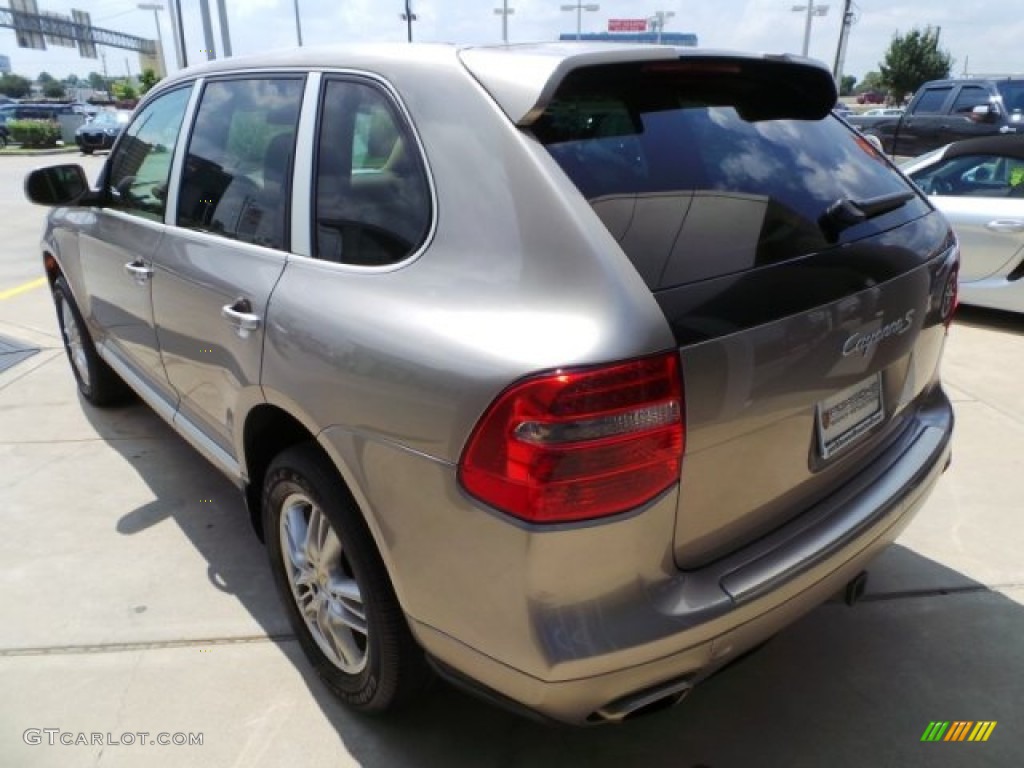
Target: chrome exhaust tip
[(645, 702)]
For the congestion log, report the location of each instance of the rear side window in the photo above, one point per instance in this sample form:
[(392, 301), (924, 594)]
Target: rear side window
[(237, 176), (372, 203), (693, 185)]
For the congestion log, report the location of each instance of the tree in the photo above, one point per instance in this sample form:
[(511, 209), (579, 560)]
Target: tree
[(872, 82), (124, 91), (45, 78), (846, 85), (97, 81), (71, 79), (54, 90), (912, 60), (15, 86), (147, 80)]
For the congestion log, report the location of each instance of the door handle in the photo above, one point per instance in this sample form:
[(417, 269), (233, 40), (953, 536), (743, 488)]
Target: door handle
[(1006, 225), (138, 271), (241, 316)]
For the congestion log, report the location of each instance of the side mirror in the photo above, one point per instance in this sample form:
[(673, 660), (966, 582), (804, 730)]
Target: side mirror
[(57, 185), (985, 113)]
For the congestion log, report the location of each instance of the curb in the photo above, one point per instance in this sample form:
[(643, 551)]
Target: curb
[(37, 152)]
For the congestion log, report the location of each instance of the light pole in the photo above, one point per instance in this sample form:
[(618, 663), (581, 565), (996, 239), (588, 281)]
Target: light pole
[(504, 12), (156, 8), (812, 10), (298, 24), (408, 17), (658, 22), (580, 7)]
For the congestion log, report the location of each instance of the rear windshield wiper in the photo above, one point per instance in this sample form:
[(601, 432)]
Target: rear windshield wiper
[(845, 213)]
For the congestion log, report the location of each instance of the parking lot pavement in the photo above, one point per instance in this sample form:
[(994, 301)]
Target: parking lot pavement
[(134, 598)]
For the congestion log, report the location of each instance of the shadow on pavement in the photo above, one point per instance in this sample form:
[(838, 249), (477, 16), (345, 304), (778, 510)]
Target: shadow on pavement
[(992, 319), (843, 687)]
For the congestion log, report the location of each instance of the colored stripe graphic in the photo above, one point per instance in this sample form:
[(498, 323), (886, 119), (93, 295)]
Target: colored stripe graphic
[(958, 730)]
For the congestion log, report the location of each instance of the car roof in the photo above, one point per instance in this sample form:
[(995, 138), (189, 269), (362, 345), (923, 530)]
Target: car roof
[(521, 78), (1010, 145)]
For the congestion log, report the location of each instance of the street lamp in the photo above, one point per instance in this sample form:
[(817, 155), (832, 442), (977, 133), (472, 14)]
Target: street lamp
[(658, 22), (156, 8), (504, 12), (580, 7), (408, 17), (812, 10)]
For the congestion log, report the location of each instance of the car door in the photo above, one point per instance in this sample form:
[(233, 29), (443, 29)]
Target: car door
[(216, 274), (983, 197), (962, 122), (118, 241), (919, 130)]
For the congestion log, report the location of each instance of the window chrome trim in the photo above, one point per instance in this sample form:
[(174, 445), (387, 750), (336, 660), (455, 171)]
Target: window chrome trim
[(391, 93)]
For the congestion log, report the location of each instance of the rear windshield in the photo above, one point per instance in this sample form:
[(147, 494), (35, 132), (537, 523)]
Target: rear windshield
[(694, 185)]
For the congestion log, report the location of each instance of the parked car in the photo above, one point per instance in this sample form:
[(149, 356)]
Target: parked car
[(883, 112), (102, 131), (871, 97), (979, 186), (34, 111), (944, 111), (573, 430)]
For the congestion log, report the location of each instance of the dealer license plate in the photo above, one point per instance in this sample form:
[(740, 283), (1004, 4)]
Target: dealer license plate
[(845, 416)]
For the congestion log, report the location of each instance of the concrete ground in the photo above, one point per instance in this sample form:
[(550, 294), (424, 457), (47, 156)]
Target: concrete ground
[(134, 598)]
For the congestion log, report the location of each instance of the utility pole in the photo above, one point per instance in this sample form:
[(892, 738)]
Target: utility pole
[(580, 7), (504, 12), (408, 17), (844, 36), (298, 24), (161, 55)]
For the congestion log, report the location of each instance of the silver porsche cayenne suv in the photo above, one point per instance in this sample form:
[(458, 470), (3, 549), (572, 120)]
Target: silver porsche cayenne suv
[(567, 372)]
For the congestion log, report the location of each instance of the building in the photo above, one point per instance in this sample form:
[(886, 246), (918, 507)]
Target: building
[(683, 39), (5, 65)]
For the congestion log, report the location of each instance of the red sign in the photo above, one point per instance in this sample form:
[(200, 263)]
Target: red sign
[(627, 25)]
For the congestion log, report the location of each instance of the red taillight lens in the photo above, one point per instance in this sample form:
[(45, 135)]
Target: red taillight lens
[(579, 444)]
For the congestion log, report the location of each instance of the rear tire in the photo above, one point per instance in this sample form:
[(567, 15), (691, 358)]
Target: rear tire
[(335, 587), (96, 380), (86, 151)]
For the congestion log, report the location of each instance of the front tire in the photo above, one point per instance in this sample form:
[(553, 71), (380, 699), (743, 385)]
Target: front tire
[(335, 587), (96, 380)]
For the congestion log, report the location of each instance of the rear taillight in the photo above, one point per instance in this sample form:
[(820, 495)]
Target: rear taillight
[(579, 443)]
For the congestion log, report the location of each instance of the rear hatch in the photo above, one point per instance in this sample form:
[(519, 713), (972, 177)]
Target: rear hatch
[(804, 279)]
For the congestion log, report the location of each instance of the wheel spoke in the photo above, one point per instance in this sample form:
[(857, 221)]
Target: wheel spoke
[(339, 637), (297, 533), (347, 603)]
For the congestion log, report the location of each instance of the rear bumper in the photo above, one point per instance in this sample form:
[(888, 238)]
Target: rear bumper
[(678, 630)]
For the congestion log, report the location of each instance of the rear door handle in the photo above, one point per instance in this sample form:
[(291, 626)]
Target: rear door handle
[(139, 271), (1006, 225), (241, 316)]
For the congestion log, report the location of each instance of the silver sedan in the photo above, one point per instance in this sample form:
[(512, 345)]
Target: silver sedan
[(979, 185)]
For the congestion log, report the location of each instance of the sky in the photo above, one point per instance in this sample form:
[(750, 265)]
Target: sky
[(989, 38)]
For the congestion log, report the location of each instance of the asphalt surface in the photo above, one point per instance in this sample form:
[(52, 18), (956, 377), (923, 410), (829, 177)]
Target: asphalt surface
[(135, 599)]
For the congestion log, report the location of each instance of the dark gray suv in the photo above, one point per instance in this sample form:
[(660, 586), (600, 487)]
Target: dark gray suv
[(569, 372)]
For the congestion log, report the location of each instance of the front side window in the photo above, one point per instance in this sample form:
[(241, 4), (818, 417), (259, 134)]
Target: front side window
[(973, 176), (970, 96), (141, 164), (237, 177), (372, 195)]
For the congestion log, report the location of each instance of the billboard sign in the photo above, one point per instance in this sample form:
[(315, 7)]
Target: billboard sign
[(627, 25)]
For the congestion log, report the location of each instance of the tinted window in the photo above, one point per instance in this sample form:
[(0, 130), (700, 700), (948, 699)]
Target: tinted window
[(970, 96), (931, 101), (1012, 92), (691, 189), (372, 195), (237, 176), (973, 176), (141, 163)]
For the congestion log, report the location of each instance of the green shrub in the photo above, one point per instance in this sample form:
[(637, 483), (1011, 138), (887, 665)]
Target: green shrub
[(34, 133)]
